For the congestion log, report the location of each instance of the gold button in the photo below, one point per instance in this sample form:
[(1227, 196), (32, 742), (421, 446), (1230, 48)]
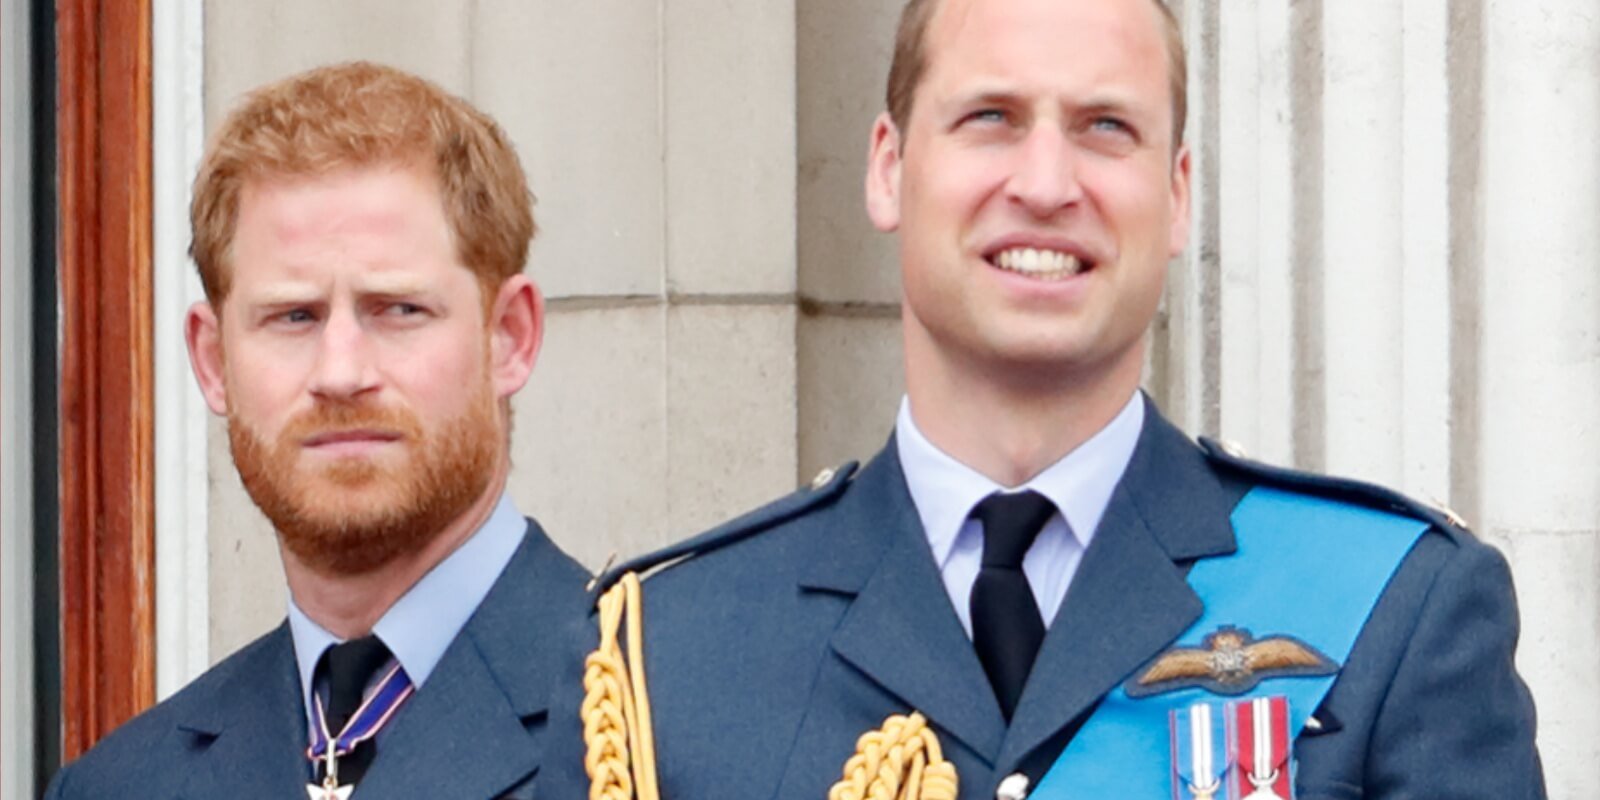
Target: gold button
[(823, 478), (1014, 787)]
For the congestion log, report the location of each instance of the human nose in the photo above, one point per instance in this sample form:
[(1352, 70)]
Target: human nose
[(344, 368), (1044, 180)]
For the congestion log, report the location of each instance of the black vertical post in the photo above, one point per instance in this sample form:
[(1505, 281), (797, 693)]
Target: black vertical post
[(46, 466)]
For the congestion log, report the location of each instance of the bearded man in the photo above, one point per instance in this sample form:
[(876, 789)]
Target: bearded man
[(361, 236)]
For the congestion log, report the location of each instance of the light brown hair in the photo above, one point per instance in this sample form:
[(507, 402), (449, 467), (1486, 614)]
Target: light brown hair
[(358, 115), (911, 61)]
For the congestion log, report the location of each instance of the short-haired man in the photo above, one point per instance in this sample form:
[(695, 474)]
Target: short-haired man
[(361, 236), (1075, 598)]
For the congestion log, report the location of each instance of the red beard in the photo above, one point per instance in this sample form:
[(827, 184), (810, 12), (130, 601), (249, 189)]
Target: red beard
[(357, 514)]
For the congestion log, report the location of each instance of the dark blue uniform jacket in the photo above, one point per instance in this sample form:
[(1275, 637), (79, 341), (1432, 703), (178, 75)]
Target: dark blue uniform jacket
[(776, 640), (476, 729)]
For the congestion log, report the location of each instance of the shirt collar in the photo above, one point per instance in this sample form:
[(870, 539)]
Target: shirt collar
[(945, 490), (422, 623)]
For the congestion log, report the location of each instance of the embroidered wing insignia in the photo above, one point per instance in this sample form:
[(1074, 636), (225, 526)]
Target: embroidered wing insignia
[(1229, 661)]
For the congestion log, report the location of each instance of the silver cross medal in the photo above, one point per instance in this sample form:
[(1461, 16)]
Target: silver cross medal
[(330, 788)]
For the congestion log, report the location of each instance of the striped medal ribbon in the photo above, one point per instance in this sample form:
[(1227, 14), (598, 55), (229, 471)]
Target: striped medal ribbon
[(1199, 752), (375, 712), (1262, 747)]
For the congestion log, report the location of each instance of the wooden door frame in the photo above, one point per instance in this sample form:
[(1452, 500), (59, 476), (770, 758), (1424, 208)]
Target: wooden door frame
[(105, 230)]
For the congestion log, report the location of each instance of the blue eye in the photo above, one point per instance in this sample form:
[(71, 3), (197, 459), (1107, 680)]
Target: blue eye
[(1112, 124)]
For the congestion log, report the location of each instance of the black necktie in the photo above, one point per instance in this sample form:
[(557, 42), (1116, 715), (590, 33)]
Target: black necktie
[(1006, 626), (348, 668)]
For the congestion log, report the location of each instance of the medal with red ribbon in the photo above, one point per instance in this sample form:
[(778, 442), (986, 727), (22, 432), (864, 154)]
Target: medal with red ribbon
[(1261, 747), (374, 713), (1199, 752)]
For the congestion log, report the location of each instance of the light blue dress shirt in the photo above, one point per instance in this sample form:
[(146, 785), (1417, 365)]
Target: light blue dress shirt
[(945, 491), (421, 624)]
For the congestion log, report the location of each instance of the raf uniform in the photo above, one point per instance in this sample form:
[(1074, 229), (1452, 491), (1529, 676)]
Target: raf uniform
[(475, 727), (776, 640)]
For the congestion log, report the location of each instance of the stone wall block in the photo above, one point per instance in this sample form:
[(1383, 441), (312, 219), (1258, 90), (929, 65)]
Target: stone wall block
[(844, 52), (252, 43), (731, 413), (578, 87), (248, 597), (729, 83), (851, 382), (589, 446)]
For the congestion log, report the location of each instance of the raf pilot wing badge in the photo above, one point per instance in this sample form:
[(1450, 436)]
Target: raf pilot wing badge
[(1229, 661)]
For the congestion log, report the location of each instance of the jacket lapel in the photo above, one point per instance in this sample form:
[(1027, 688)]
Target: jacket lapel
[(250, 727), (900, 630), (471, 730), (1129, 598)]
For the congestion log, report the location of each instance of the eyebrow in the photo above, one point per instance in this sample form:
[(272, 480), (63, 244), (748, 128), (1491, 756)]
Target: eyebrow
[(388, 285), (1100, 102), (285, 293), (288, 293)]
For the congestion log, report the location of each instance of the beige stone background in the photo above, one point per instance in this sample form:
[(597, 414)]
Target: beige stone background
[(1393, 273)]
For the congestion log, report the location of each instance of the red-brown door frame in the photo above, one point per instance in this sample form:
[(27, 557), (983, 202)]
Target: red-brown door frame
[(107, 366)]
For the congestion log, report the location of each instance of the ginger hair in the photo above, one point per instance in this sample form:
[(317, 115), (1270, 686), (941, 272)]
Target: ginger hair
[(357, 115)]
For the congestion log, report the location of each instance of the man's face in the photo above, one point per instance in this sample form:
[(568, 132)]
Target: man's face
[(1035, 189), (355, 366)]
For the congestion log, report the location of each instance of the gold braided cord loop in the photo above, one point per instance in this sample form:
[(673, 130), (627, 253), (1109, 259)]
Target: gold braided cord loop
[(616, 704), (900, 761)]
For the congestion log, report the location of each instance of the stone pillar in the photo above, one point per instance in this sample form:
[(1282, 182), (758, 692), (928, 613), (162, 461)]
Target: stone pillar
[(1401, 212), (1538, 371)]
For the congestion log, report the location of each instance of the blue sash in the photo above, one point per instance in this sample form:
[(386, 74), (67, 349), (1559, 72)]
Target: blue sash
[(1306, 567)]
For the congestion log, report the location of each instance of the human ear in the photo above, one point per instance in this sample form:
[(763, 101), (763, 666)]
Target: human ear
[(202, 331), (883, 175), (516, 330)]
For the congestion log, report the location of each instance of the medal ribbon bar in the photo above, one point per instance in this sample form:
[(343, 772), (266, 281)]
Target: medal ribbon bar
[(374, 713)]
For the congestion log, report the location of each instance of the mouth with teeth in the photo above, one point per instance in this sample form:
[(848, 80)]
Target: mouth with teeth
[(1039, 264)]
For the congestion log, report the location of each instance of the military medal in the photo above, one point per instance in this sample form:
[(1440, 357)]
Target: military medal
[(375, 712), (1260, 742), (330, 788), (1199, 752)]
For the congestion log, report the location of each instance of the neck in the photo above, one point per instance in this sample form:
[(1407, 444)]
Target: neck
[(348, 606), (1010, 424)]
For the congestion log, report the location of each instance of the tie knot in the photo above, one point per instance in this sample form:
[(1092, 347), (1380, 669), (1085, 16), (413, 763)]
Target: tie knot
[(349, 667), (1010, 524)]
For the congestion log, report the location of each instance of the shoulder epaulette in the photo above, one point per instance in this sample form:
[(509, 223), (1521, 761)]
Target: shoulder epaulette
[(1348, 490), (825, 488)]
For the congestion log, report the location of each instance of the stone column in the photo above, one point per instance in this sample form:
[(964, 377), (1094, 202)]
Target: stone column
[(1401, 212), (1538, 372)]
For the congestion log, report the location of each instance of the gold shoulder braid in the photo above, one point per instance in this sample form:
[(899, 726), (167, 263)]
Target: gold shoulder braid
[(900, 761), (616, 704)]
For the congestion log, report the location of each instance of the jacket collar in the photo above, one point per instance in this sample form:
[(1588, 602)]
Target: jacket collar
[(1129, 598)]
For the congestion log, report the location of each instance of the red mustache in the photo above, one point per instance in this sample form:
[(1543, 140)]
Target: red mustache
[(330, 421)]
